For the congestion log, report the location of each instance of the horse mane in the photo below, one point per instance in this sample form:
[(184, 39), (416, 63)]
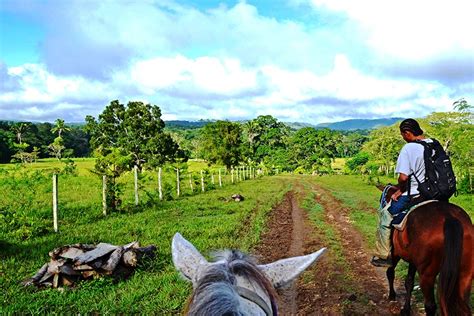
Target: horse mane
[(215, 292)]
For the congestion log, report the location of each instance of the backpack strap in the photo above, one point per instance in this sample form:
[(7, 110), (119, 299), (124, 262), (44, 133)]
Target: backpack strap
[(427, 152)]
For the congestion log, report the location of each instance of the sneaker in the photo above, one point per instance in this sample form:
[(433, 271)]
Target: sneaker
[(379, 262)]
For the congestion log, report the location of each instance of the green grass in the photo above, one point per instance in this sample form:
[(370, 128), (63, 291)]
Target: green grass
[(26, 234), (204, 219)]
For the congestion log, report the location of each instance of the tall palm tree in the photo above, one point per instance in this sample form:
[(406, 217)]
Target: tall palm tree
[(60, 127), (19, 129)]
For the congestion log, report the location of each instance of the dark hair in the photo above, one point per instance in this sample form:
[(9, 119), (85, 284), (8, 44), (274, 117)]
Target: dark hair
[(412, 126)]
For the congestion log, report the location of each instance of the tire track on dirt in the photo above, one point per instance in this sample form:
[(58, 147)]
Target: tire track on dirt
[(370, 281), (325, 288)]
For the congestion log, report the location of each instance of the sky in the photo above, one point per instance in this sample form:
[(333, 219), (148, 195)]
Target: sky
[(307, 61)]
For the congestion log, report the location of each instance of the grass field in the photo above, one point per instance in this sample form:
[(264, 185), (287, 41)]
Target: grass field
[(27, 236), (205, 218)]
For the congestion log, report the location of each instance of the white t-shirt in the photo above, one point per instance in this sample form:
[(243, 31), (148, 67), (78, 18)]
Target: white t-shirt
[(410, 161)]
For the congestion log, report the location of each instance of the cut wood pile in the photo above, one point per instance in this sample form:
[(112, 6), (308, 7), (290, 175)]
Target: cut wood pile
[(73, 263)]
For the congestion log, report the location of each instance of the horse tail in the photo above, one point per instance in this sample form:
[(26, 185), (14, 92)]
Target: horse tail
[(450, 299)]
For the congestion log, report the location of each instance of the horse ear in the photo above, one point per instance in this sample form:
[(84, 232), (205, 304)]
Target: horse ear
[(282, 272), (186, 258), (381, 187)]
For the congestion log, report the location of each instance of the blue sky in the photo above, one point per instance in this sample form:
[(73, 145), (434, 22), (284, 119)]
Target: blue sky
[(298, 60)]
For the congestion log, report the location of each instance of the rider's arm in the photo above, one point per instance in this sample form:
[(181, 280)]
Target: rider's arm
[(402, 186)]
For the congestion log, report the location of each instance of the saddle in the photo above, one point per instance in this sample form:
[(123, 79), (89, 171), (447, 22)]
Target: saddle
[(400, 220)]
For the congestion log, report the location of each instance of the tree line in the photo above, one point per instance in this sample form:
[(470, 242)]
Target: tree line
[(125, 136), (137, 133), (28, 141)]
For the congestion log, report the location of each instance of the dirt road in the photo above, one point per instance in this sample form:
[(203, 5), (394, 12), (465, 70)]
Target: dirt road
[(342, 283)]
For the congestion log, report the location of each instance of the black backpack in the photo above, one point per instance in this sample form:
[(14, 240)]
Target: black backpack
[(440, 182)]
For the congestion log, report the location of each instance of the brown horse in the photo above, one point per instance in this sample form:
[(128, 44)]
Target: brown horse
[(438, 239)]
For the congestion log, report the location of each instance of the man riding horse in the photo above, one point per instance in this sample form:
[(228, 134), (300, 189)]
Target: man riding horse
[(410, 163)]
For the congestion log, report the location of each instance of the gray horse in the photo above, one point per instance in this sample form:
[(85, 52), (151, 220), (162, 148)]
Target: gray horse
[(233, 284)]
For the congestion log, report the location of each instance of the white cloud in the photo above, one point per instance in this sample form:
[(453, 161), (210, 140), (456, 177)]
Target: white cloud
[(38, 85), (411, 30), (205, 74), (357, 59), (225, 89)]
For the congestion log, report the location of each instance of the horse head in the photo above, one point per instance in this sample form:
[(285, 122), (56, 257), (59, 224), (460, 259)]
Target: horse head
[(234, 283)]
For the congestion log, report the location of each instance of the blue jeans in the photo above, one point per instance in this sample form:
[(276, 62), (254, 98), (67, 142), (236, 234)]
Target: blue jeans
[(399, 206)]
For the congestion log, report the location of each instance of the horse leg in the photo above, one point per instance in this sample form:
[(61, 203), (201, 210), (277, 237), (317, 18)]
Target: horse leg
[(391, 276), (427, 282), (409, 283)]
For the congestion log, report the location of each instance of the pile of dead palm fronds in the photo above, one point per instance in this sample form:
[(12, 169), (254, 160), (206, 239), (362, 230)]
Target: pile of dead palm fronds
[(72, 263)]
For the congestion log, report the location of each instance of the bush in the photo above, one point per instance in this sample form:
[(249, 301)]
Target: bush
[(355, 163)]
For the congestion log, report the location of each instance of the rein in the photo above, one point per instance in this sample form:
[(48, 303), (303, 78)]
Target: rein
[(255, 298)]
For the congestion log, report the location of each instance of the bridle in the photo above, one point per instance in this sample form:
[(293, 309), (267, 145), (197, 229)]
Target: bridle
[(255, 298)]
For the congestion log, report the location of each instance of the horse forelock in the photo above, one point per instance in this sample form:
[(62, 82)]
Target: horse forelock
[(215, 292)]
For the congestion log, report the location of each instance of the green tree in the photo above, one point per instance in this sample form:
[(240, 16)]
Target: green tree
[(7, 139), (263, 136), (137, 129), (350, 144), (355, 163), (56, 148), (221, 143), (384, 145), (312, 149), (455, 131), (127, 136), (20, 129), (60, 127)]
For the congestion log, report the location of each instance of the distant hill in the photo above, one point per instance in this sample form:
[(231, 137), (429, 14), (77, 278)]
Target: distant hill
[(180, 124), (298, 125), (347, 125), (354, 124)]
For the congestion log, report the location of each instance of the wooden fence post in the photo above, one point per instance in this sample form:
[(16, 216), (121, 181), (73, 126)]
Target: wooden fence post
[(232, 174), (212, 179), (202, 181), (104, 195), (191, 183), (220, 178), (55, 202), (160, 190), (177, 182), (135, 172)]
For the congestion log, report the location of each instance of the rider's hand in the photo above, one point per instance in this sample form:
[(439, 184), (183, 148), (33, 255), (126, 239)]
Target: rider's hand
[(396, 195)]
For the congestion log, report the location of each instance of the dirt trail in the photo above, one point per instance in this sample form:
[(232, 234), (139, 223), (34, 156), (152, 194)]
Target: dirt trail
[(333, 286), (289, 296)]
